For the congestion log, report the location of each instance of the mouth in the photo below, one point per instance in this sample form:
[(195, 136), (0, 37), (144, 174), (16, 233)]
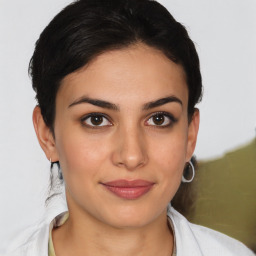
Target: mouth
[(131, 190)]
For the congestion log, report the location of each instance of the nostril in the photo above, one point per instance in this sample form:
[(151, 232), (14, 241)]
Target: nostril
[(131, 161), (130, 149)]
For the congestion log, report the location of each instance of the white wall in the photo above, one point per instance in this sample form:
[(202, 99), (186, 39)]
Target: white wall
[(225, 35), (224, 32)]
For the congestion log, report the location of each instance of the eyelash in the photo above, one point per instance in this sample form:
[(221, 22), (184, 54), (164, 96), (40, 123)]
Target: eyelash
[(171, 118), (83, 119)]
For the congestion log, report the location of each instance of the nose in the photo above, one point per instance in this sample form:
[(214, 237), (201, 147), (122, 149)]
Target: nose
[(130, 149)]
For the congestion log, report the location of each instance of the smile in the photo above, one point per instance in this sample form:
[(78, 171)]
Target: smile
[(128, 189)]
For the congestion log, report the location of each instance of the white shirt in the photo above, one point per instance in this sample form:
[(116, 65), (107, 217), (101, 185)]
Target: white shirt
[(190, 239)]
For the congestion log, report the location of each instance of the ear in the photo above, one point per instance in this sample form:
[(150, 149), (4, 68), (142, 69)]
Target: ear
[(192, 134), (44, 135)]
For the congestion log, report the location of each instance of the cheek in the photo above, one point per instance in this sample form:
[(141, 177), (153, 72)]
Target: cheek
[(170, 150), (169, 156), (80, 155)]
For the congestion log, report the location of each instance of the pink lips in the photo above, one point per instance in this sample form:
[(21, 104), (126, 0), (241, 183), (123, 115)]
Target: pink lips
[(129, 189)]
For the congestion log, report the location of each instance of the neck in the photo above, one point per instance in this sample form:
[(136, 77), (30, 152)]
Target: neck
[(82, 234)]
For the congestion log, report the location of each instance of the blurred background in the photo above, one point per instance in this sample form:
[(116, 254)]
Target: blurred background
[(223, 195)]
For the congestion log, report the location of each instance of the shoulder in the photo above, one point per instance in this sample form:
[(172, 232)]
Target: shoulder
[(218, 243), (34, 240), (31, 241), (197, 240)]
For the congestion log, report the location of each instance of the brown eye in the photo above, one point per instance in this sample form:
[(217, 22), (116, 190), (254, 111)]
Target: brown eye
[(96, 120), (161, 119), (158, 119)]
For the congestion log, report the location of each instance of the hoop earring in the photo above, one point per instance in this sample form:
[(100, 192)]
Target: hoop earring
[(183, 179)]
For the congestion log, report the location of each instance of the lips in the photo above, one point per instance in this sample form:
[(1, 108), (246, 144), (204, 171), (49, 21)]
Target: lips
[(129, 189)]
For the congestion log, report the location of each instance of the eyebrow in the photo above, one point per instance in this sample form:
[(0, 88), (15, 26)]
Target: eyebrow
[(111, 106), (95, 102), (160, 102)]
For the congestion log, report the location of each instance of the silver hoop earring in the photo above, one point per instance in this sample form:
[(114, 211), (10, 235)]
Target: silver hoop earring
[(184, 180)]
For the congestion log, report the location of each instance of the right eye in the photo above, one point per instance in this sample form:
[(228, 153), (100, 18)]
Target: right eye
[(95, 120)]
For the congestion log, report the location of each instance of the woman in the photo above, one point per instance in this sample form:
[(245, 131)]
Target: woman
[(117, 83)]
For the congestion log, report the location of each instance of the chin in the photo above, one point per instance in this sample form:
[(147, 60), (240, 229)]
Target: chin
[(128, 222), (131, 216)]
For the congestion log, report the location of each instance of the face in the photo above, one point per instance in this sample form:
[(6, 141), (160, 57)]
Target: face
[(122, 135)]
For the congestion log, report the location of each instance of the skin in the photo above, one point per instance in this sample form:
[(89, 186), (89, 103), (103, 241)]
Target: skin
[(129, 144)]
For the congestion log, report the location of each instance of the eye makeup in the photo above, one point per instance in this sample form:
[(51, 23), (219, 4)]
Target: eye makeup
[(97, 120)]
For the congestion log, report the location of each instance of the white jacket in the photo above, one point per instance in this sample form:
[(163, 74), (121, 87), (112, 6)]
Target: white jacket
[(190, 239)]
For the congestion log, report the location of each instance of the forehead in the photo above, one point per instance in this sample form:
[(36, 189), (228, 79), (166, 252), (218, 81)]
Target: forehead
[(138, 73)]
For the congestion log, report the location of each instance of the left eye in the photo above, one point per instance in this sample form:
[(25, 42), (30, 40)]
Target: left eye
[(96, 120), (160, 119)]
